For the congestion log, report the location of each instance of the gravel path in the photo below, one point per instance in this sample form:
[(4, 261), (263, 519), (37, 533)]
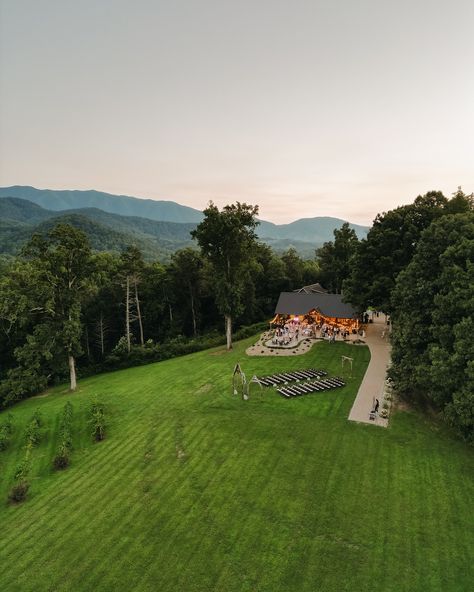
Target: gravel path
[(372, 385)]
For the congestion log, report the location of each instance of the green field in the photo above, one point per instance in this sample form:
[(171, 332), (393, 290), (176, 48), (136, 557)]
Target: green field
[(194, 489)]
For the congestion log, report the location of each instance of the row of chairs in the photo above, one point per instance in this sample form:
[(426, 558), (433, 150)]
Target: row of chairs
[(286, 377), (311, 387)]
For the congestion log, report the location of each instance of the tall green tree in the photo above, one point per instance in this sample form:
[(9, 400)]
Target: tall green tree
[(64, 259), (388, 249), (269, 279), (102, 317), (21, 290), (226, 239), (156, 291), (186, 268), (460, 202), (61, 272), (433, 312), (294, 268), (334, 257)]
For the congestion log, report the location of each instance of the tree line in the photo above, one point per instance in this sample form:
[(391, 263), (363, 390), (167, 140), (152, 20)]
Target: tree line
[(417, 264), (66, 309), (63, 305)]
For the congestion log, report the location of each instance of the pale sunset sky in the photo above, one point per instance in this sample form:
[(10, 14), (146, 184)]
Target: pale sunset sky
[(339, 108)]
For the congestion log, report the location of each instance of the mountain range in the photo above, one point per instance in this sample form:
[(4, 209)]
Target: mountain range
[(158, 228)]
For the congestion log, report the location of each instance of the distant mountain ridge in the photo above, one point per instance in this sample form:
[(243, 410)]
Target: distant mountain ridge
[(20, 218), (164, 211), (305, 229), (314, 230), (22, 212)]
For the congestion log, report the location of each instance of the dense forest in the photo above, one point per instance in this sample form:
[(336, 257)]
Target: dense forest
[(417, 264), (67, 310)]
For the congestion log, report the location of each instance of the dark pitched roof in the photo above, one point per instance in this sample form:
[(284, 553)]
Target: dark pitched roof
[(312, 289), (299, 303)]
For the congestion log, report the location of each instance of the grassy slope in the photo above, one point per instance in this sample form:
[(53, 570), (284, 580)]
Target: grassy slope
[(197, 490)]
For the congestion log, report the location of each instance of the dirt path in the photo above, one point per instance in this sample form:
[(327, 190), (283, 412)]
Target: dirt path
[(372, 385)]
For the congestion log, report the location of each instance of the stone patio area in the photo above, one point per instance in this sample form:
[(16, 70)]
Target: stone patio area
[(264, 346)]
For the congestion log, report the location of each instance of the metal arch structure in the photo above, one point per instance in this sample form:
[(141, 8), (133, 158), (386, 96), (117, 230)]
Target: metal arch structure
[(256, 380), (239, 382)]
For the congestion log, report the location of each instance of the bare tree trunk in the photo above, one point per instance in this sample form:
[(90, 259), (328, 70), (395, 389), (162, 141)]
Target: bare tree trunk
[(137, 302), (171, 313), (72, 373), (228, 331), (127, 314), (194, 314)]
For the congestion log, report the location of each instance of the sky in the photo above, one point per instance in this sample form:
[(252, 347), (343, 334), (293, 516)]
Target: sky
[(339, 108)]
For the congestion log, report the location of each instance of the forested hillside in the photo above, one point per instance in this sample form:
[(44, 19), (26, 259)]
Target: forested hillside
[(166, 211), (106, 232)]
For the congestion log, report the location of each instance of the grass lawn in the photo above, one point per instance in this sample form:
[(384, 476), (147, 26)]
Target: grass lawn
[(195, 489)]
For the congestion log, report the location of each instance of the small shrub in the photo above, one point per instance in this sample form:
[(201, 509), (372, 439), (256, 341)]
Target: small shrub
[(62, 458), (97, 421), (23, 469), (33, 433), (6, 430), (121, 348), (63, 452), (19, 492)]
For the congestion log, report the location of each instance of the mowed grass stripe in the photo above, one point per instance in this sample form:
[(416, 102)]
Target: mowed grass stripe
[(57, 528), (68, 534), (187, 512), (250, 537), (128, 519), (129, 516), (65, 485), (197, 499), (269, 495)]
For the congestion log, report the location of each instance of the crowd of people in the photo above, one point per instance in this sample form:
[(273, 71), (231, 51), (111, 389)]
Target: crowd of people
[(286, 334), (293, 330)]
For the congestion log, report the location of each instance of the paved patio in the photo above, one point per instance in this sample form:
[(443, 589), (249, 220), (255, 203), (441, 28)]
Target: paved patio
[(264, 346)]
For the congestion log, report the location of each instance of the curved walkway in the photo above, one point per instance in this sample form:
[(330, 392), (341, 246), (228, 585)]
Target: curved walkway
[(373, 383)]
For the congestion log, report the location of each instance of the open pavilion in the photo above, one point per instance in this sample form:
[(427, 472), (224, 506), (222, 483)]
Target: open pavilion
[(315, 309)]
